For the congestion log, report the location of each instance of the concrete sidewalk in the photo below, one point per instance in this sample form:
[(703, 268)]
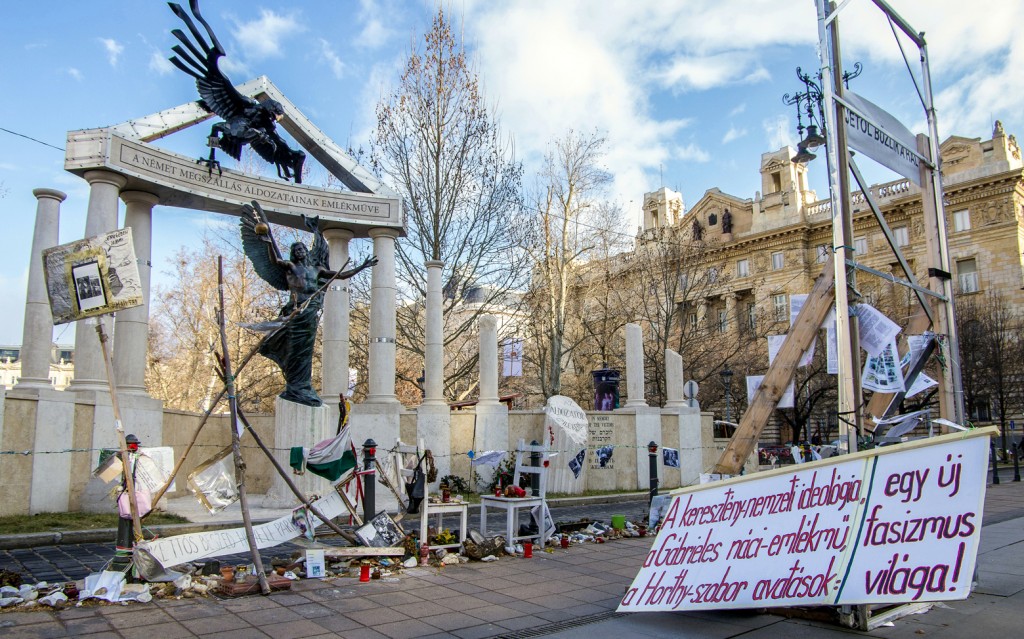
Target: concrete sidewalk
[(565, 593)]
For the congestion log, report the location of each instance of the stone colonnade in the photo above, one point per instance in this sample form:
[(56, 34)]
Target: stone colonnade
[(132, 325)]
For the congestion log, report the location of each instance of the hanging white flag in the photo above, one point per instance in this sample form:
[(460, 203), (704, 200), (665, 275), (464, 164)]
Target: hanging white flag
[(512, 361)]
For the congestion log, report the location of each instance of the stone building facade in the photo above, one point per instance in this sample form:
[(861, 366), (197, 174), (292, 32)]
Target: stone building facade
[(774, 245)]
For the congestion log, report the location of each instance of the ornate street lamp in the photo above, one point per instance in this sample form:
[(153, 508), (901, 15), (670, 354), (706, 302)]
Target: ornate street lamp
[(809, 103), (726, 374)]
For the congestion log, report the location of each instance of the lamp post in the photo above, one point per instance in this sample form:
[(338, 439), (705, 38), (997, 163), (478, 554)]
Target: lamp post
[(726, 374), (809, 103)]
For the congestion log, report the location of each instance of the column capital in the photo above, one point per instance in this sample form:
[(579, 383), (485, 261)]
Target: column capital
[(344, 235), (141, 197), (383, 232), (53, 194), (105, 177), (433, 263)]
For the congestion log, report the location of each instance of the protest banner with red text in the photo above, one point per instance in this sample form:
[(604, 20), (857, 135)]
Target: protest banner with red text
[(890, 525)]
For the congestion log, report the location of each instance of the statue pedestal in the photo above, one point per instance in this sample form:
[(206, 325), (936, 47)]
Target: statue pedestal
[(297, 425)]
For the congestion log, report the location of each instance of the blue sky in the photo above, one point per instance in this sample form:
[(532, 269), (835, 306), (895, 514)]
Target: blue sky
[(688, 93)]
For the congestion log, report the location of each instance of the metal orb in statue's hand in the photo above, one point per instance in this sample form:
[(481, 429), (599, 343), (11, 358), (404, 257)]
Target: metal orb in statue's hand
[(262, 229)]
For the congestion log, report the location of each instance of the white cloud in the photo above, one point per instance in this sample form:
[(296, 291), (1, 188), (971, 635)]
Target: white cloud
[(233, 68), (733, 134), (738, 109), (778, 131), (159, 64), (330, 57), (113, 48), (263, 38), (75, 73)]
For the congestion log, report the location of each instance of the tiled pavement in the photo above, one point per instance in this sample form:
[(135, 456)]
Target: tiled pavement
[(571, 593)]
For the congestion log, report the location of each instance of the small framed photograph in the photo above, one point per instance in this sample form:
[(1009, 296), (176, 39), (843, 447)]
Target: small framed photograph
[(88, 285), (380, 532)]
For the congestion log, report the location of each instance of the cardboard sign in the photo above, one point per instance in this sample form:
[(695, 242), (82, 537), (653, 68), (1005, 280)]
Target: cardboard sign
[(896, 524), (91, 277)]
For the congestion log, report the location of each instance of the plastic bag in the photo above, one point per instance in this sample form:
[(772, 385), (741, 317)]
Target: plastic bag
[(213, 482), (143, 501)]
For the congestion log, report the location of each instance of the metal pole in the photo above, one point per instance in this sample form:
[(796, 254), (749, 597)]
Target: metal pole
[(995, 463), (369, 479), (846, 391), (652, 456), (1016, 467), (535, 463)]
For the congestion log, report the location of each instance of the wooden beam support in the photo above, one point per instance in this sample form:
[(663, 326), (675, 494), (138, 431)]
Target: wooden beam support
[(780, 373)]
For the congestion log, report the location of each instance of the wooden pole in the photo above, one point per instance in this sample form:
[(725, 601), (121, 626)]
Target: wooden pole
[(308, 503), (129, 481), (245, 360), (236, 448)]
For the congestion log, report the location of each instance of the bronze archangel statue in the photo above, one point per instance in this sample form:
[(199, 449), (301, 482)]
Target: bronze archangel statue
[(303, 275), (246, 121)]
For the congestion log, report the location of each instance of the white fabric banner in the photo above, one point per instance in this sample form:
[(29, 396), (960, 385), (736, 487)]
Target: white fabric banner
[(172, 551), (892, 525)]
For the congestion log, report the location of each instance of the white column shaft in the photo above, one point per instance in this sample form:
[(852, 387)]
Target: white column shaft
[(673, 379), (634, 367), (131, 339), (433, 356), (37, 334), (382, 319), (336, 320), (101, 217), (488, 360)]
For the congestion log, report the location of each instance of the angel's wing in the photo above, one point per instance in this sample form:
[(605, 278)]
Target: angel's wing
[(258, 252), (320, 254), (216, 90)]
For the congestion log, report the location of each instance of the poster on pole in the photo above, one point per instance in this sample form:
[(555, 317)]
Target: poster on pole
[(94, 276), (896, 524)]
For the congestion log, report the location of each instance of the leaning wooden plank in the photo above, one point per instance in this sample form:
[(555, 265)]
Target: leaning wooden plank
[(780, 373)]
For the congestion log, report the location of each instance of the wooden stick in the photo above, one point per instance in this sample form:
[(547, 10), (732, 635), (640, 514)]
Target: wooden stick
[(129, 481), (245, 360), (288, 480), (236, 447)]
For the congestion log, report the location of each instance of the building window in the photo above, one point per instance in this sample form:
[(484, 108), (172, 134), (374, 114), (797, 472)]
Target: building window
[(967, 276), (723, 321), (742, 268), (901, 236), (684, 281), (981, 409), (776, 181), (713, 274), (781, 307), (860, 246), (822, 253), (961, 220), (778, 261), (693, 321)]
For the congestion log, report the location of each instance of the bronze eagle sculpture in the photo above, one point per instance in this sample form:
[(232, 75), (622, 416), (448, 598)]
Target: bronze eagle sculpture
[(246, 121)]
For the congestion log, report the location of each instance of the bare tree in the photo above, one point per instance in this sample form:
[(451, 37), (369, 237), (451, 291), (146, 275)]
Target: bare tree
[(184, 331), (437, 141), (558, 239)]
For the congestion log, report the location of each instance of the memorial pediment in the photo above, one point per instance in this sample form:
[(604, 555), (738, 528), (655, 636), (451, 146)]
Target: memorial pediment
[(178, 181)]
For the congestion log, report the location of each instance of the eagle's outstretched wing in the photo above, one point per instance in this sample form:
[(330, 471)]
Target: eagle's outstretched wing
[(201, 62), (319, 255), (257, 249)]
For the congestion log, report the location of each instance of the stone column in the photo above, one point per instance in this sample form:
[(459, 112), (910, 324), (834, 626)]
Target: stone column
[(131, 339), (634, 367), (382, 319), (488, 360), (433, 357), (336, 321), (730, 311), (674, 379), (37, 334), (101, 217)]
